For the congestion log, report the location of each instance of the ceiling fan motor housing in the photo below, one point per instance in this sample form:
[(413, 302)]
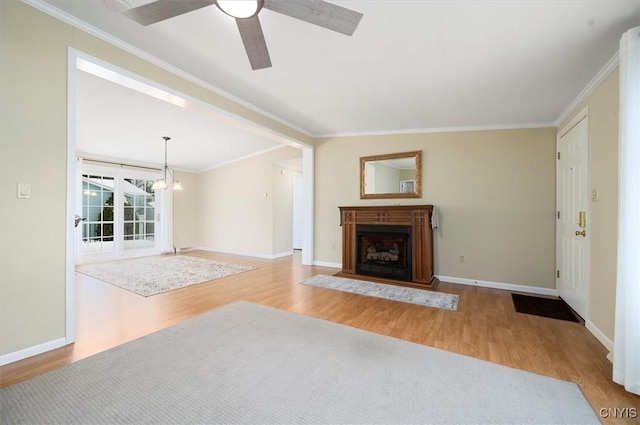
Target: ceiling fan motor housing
[(240, 9)]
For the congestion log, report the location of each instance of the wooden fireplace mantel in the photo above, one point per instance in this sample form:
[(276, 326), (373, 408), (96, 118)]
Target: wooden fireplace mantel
[(418, 217)]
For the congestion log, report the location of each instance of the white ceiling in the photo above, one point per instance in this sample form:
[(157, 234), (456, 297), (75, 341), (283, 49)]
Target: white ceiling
[(411, 65), (116, 123)]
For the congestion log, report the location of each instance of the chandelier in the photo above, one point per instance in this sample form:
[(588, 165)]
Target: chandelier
[(166, 180)]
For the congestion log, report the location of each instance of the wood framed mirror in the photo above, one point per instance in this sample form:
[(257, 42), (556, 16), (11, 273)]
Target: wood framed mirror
[(396, 175)]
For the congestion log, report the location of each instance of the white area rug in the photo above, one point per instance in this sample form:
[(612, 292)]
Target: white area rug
[(249, 364), (390, 292), (154, 275)]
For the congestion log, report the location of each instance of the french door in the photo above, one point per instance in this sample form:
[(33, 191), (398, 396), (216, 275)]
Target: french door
[(119, 214)]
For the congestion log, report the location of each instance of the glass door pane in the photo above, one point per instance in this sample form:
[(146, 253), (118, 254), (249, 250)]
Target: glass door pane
[(139, 214), (97, 214)]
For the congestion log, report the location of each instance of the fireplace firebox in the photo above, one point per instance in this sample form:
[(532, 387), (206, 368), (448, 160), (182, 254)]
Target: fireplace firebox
[(384, 251)]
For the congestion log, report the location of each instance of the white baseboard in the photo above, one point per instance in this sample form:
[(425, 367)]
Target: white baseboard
[(282, 254), (600, 336), (499, 285), (32, 351), (247, 254), (185, 249), (327, 264)]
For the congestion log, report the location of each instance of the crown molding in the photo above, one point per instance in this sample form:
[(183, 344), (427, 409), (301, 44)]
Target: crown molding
[(83, 26), (454, 129), (267, 150), (608, 68)]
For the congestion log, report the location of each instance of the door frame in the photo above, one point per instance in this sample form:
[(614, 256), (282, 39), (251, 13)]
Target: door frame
[(298, 181), (76, 59), (580, 116)]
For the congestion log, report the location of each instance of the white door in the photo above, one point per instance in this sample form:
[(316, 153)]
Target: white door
[(297, 211), (572, 201)]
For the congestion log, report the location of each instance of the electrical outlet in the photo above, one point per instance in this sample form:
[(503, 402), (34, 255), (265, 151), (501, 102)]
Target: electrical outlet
[(461, 258)]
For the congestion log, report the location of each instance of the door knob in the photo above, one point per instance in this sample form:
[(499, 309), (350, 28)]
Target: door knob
[(579, 233), (78, 219)]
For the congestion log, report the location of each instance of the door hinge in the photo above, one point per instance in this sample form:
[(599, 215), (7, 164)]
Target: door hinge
[(558, 274), (558, 215), (558, 155)]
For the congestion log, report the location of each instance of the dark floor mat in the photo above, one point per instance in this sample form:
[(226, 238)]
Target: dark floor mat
[(554, 308)]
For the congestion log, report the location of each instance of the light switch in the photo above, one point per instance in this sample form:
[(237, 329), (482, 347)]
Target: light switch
[(24, 191), (595, 195)]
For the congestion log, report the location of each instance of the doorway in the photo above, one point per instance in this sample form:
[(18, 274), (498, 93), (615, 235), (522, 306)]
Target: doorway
[(81, 62), (572, 203)]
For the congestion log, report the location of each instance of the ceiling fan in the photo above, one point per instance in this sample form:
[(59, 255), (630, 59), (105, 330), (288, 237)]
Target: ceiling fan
[(245, 12)]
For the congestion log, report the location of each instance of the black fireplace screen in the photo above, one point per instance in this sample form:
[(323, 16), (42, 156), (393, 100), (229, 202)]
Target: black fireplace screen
[(384, 251)]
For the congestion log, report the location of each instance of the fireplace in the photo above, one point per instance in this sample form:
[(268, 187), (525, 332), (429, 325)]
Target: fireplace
[(388, 244), (384, 251)]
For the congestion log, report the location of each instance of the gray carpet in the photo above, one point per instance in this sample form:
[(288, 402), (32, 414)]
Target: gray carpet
[(389, 292), (246, 363)]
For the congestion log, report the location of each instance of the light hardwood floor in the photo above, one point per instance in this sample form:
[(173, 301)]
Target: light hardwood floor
[(485, 325)]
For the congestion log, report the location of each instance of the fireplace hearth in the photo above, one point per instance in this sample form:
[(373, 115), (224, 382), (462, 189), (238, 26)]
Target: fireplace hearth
[(384, 251)]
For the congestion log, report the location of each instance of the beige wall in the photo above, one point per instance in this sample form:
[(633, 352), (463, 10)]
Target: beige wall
[(603, 170), (33, 147), (185, 211), (495, 191), (238, 204), (33, 139)]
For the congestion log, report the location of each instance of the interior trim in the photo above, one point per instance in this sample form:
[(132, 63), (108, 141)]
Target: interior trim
[(454, 129), (275, 148), (600, 336), (247, 254), (586, 92), (499, 285), (582, 114), (32, 351), (73, 191), (327, 264)]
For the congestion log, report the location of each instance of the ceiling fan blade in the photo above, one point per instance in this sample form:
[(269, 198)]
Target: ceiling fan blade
[(318, 12), (254, 43), (164, 9)]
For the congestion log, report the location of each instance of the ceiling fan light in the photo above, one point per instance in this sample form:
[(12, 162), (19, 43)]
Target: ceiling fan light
[(240, 8)]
